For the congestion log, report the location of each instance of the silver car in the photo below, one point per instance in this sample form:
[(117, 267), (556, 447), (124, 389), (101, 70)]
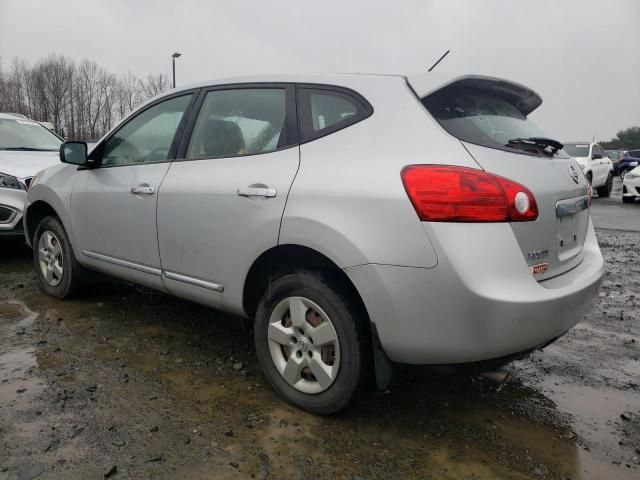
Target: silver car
[(26, 147), (362, 220)]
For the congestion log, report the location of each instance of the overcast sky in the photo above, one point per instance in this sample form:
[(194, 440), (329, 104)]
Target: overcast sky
[(583, 57)]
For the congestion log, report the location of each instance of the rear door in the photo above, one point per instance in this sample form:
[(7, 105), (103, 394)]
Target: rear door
[(490, 117), (221, 203)]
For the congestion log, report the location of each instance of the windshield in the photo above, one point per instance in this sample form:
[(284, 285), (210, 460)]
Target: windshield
[(577, 149), (483, 118), (21, 134)]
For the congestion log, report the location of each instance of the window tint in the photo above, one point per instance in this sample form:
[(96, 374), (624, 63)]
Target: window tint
[(239, 122), (326, 111), (484, 117), (148, 136)]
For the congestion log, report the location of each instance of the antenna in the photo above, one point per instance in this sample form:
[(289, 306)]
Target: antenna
[(439, 60)]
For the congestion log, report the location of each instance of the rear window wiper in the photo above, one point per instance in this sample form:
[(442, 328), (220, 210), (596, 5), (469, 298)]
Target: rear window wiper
[(547, 144), (28, 149)]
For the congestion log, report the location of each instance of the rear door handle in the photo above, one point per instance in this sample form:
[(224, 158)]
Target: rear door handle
[(257, 192), (143, 189)]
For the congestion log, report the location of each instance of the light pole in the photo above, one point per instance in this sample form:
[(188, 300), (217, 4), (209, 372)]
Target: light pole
[(173, 64)]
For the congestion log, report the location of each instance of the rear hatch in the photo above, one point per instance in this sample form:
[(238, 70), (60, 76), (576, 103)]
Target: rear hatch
[(490, 117)]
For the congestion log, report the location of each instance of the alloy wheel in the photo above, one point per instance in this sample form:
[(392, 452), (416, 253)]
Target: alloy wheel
[(50, 258), (304, 345)]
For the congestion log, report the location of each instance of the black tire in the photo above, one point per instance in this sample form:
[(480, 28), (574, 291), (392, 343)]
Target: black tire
[(605, 190), (628, 199), (73, 274), (349, 323), (589, 178)]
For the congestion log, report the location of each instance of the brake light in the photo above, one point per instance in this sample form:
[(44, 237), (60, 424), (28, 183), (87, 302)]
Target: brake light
[(441, 193)]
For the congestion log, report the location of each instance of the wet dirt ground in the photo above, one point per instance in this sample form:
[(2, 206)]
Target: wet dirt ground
[(128, 383)]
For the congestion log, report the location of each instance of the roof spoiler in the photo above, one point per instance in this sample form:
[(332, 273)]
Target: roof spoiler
[(523, 98)]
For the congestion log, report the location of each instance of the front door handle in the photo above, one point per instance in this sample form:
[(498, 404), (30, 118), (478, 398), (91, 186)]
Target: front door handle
[(143, 189), (257, 192)]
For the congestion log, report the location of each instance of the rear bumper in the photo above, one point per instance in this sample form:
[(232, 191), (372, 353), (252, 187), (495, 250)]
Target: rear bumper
[(478, 303), (12, 203)]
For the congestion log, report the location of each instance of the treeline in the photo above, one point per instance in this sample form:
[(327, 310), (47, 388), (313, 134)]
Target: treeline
[(627, 138), (83, 101)]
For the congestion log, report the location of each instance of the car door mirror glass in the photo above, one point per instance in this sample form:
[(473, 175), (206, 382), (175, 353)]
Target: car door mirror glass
[(74, 153)]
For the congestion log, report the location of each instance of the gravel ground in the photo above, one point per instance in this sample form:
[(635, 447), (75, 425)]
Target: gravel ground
[(128, 383)]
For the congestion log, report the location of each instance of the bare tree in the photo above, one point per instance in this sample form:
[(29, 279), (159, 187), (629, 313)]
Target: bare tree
[(155, 85), (84, 101)]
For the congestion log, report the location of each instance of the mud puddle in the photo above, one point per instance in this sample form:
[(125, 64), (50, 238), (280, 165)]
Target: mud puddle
[(135, 384)]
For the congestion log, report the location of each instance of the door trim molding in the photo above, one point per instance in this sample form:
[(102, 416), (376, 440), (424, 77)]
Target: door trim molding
[(177, 277), (197, 282), (123, 263)]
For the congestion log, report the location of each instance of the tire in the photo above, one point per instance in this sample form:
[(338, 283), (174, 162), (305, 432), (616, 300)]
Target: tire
[(589, 178), (623, 173), (287, 346), (605, 190), (628, 199), (59, 273)]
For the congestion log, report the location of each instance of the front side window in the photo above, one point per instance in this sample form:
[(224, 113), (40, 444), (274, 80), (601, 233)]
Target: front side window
[(147, 137), (326, 111), (24, 134), (236, 122)]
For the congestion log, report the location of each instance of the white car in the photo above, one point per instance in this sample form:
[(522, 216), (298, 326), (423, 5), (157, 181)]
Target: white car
[(631, 186), (596, 166), (26, 147)]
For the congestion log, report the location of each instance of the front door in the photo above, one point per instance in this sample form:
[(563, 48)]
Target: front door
[(221, 203), (113, 205)]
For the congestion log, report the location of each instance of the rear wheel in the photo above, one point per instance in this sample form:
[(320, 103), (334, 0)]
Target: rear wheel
[(310, 342), (58, 271), (605, 190), (589, 177)]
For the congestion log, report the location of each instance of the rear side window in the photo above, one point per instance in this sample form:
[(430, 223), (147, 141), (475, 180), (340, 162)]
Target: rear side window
[(236, 122), (324, 111), (484, 118)]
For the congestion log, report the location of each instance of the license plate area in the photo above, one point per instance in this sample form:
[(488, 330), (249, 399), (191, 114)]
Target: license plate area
[(571, 231)]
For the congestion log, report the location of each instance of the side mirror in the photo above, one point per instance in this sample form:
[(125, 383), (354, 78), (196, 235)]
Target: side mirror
[(74, 153), (596, 156)]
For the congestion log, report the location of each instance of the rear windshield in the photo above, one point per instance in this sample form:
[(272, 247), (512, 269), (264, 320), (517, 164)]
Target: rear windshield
[(483, 118), (26, 134), (577, 149)]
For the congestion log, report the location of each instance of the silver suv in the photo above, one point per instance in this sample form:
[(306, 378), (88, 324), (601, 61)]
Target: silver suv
[(361, 220)]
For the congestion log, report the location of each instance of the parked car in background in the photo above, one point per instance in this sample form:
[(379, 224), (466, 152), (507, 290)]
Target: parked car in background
[(596, 166), (630, 160), (615, 156), (359, 219), (631, 186), (26, 147)]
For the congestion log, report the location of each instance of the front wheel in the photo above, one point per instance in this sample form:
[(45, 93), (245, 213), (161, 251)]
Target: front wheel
[(605, 190), (311, 342), (58, 271)]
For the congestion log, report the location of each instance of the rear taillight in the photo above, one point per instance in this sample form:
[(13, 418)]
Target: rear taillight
[(442, 193)]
